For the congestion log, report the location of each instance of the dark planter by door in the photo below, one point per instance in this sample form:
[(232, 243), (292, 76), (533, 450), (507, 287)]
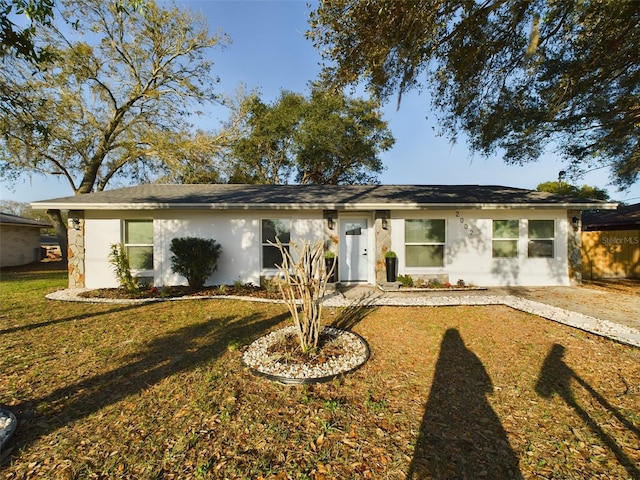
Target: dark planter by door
[(328, 264), (392, 268)]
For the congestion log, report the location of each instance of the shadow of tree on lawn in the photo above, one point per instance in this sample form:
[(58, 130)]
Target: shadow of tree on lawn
[(353, 314), (461, 437), (74, 318), (181, 350), (555, 378)]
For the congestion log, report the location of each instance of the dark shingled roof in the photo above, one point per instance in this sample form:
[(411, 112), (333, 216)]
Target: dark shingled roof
[(624, 218), (339, 197), (8, 219)]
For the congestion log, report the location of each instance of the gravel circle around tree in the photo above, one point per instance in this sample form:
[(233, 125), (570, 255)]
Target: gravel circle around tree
[(341, 352)]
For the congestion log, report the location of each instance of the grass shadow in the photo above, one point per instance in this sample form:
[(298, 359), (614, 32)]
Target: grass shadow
[(461, 436), (178, 351), (83, 316), (555, 378), (352, 315)]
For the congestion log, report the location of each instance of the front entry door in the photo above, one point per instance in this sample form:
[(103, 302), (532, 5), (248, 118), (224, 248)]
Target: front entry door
[(353, 259)]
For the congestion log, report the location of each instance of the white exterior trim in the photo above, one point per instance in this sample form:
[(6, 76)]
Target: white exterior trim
[(44, 205)]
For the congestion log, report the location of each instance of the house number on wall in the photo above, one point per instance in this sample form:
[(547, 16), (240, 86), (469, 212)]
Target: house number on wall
[(465, 225)]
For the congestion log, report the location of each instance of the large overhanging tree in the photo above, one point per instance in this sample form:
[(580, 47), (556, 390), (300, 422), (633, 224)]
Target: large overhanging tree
[(120, 83), (18, 40), (325, 138), (516, 76)]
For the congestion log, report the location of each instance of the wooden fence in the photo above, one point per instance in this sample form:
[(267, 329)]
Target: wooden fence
[(611, 254)]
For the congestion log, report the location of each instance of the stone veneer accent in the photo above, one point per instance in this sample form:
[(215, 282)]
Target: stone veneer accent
[(330, 235), (383, 242), (574, 247), (75, 232)]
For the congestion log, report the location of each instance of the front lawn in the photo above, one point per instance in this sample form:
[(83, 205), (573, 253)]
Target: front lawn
[(159, 391)]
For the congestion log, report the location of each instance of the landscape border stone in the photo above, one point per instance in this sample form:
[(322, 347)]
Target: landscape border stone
[(256, 351)]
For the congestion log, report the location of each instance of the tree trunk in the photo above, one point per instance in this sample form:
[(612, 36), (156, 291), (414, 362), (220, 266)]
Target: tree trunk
[(61, 231)]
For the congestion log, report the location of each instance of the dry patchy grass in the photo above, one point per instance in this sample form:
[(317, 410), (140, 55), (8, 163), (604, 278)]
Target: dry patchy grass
[(159, 391)]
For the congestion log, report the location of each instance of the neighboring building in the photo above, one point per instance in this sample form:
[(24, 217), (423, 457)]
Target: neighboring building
[(484, 235), (19, 240), (623, 218), (611, 243), (51, 246)]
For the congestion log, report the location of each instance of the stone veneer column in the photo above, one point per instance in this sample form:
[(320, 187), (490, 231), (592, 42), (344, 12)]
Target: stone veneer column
[(382, 241), (330, 235), (76, 252), (574, 246)]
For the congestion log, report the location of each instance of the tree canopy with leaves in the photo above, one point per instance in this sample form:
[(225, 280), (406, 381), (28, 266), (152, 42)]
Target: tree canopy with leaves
[(325, 138), (517, 76), (570, 190), (19, 40), (113, 98)]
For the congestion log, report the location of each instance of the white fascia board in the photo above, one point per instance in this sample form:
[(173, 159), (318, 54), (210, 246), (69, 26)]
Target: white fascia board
[(319, 206)]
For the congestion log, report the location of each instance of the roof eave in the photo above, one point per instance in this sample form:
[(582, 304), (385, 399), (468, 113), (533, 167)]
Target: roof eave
[(319, 206)]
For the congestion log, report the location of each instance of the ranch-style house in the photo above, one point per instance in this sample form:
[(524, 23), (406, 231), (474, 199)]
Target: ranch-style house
[(483, 235)]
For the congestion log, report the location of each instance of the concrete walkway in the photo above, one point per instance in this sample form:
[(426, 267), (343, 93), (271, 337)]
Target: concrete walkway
[(609, 314)]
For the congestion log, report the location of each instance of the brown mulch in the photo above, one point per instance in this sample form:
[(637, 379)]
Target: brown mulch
[(246, 290), (289, 348)]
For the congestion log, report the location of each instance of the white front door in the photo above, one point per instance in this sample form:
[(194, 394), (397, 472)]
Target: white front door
[(353, 258)]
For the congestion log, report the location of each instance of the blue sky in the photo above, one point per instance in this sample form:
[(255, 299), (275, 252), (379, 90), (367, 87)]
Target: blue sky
[(269, 52)]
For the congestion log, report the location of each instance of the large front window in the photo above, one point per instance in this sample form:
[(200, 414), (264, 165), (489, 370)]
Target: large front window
[(424, 242), (504, 243), (138, 242), (541, 238), (271, 229)]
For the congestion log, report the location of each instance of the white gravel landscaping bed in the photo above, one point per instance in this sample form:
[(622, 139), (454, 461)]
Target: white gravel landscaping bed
[(258, 359)]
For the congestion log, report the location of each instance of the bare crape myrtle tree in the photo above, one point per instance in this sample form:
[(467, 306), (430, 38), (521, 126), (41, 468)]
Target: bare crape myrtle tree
[(302, 283)]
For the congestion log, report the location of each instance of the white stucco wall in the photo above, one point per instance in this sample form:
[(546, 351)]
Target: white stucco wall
[(468, 248), (238, 232), (467, 251), (100, 234)]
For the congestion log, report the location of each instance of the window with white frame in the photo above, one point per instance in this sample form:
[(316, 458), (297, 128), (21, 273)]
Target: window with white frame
[(504, 243), (138, 243), (542, 236), (273, 228), (424, 241)]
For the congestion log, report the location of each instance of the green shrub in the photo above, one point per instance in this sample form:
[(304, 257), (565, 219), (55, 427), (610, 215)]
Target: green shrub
[(120, 262), (405, 280), (434, 283), (195, 259), (390, 254)]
